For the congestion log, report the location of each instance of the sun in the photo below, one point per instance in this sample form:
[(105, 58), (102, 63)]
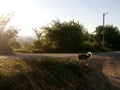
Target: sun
[(26, 16), (22, 17)]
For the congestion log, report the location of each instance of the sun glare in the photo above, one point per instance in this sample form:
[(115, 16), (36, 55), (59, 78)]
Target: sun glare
[(26, 15)]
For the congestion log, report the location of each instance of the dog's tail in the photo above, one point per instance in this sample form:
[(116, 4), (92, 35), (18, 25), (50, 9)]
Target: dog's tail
[(89, 54)]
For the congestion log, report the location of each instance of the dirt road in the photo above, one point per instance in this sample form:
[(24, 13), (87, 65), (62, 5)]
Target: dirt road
[(108, 62)]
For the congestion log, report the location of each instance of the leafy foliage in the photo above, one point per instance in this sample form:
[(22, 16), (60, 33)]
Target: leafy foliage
[(73, 37), (111, 35), (64, 36), (7, 35)]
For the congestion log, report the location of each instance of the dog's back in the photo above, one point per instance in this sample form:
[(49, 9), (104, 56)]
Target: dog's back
[(83, 56)]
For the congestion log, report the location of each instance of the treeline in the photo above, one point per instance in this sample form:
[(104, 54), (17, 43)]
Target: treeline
[(73, 37), (61, 37)]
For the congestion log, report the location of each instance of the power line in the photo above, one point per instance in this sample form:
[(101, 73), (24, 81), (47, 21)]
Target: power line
[(91, 6), (103, 39)]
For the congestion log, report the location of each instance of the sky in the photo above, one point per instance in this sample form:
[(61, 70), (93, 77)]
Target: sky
[(29, 14)]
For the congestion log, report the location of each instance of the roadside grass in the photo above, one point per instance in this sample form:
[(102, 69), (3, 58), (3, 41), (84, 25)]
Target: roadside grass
[(47, 73)]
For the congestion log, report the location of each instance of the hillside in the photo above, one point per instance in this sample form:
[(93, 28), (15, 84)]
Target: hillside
[(25, 39), (51, 74)]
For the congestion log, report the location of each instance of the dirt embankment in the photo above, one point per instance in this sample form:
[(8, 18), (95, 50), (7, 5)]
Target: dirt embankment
[(106, 64)]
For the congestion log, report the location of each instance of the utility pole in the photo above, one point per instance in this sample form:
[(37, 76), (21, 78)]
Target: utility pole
[(103, 38)]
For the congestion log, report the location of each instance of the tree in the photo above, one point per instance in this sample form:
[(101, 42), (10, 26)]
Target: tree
[(64, 36), (111, 35), (37, 44), (7, 35)]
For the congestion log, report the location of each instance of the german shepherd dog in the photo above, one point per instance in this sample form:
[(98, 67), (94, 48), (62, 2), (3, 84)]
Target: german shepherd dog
[(83, 58)]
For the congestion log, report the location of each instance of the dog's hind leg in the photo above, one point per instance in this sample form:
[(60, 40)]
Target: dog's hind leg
[(87, 62), (79, 61)]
